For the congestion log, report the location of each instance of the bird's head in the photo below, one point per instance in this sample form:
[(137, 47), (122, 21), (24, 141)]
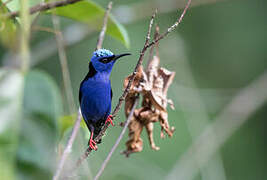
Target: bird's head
[(103, 60)]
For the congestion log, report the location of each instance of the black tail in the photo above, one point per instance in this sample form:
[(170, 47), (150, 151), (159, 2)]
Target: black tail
[(97, 129), (96, 133)]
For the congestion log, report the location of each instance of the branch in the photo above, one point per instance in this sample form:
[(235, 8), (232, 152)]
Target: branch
[(68, 148), (104, 164), (139, 63), (122, 98), (104, 27), (43, 7), (173, 27), (234, 115), (126, 91)]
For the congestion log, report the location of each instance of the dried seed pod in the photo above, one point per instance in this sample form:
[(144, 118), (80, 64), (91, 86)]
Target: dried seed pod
[(136, 87), (153, 85)]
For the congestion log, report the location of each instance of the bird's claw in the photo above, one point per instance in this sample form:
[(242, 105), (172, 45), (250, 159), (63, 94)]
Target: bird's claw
[(109, 119), (92, 144)]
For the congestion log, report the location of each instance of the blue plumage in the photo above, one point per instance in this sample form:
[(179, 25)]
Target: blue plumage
[(95, 93)]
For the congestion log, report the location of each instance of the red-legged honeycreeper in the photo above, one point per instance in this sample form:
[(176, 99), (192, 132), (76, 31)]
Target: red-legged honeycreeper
[(95, 93)]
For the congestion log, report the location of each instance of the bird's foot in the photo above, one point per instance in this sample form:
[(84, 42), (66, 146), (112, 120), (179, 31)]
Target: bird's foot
[(92, 144), (109, 119)]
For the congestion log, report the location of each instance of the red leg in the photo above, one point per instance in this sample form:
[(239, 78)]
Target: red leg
[(92, 143), (109, 119)]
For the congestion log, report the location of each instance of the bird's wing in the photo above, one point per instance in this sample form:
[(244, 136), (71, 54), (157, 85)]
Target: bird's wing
[(111, 94)]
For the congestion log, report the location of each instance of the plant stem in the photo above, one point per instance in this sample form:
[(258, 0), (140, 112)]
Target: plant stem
[(25, 34)]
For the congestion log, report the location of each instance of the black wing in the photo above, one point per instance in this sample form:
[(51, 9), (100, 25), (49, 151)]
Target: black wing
[(111, 94)]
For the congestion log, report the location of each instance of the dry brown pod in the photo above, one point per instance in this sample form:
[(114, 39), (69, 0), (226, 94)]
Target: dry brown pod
[(153, 85)]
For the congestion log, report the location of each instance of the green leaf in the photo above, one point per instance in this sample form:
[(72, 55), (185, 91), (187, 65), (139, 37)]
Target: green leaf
[(11, 86), (39, 132), (7, 28), (92, 14)]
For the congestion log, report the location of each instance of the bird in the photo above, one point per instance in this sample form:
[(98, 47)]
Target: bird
[(95, 93)]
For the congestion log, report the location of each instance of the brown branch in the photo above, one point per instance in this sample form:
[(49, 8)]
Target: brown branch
[(104, 164), (139, 63), (140, 60), (173, 27), (104, 27), (43, 7), (122, 98), (67, 149)]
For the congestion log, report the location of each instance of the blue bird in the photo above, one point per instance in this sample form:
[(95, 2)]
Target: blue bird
[(95, 93)]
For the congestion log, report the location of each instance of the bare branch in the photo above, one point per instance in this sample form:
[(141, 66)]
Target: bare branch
[(104, 164), (43, 7), (173, 27), (104, 27), (139, 63), (68, 148), (122, 98)]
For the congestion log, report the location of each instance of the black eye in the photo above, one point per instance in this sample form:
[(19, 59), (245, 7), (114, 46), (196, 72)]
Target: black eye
[(104, 60)]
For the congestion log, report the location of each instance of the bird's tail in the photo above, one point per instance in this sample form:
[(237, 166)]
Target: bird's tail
[(96, 133)]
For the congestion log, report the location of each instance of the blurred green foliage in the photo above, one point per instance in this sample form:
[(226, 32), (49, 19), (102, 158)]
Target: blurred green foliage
[(218, 49), (7, 28), (92, 14)]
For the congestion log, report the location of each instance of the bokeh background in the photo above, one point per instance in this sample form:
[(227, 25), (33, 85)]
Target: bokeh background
[(218, 49)]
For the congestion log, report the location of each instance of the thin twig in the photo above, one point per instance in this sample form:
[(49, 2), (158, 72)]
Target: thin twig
[(140, 60), (104, 164), (122, 98), (173, 27), (43, 7), (64, 65), (104, 27), (68, 148), (139, 63), (234, 115)]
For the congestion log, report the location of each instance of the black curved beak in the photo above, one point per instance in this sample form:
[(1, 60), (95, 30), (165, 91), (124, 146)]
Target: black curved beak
[(119, 56)]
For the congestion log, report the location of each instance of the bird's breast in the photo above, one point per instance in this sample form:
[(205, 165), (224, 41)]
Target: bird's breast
[(95, 100)]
